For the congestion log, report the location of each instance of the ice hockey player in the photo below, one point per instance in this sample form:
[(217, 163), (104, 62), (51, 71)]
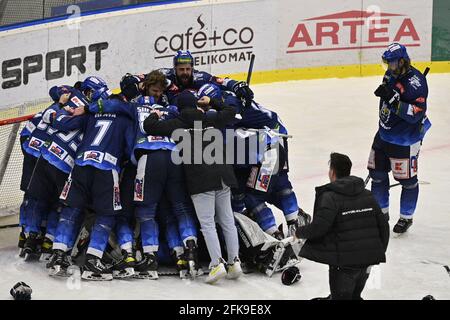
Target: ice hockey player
[(156, 176), (402, 127), (251, 194), (94, 180), (183, 76), (57, 144)]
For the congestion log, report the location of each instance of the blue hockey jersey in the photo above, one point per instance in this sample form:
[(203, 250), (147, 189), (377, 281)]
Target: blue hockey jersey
[(108, 138), (40, 127), (64, 136), (405, 122), (138, 111)]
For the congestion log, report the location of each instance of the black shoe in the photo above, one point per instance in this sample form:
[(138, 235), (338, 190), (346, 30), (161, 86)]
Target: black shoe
[(95, 269), (402, 225), (147, 267)]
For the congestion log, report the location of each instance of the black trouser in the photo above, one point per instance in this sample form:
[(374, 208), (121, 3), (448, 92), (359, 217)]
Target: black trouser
[(347, 283)]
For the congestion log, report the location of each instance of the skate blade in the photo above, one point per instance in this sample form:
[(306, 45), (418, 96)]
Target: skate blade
[(149, 275), (30, 257), (122, 274), (57, 271), (45, 257), (89, 275)]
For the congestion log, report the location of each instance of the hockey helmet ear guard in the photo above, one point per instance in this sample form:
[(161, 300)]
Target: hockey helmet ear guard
[(290, 276)]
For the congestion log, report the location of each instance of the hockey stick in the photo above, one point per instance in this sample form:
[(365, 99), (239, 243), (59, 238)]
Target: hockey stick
[(446, 267), (250, 68), (16, 225), (425, 72)]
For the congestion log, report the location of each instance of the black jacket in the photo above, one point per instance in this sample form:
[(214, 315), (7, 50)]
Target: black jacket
[(348, 227), (199, 177)]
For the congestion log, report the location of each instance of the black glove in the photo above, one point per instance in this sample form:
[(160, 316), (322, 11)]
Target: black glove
[(21, 291), (242, 90), (290, 276), (387, 94)]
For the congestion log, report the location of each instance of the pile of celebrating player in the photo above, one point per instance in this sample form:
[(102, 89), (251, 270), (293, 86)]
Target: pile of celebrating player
[(102, 191)]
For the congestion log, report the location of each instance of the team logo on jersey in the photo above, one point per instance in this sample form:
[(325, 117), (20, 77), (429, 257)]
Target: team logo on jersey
[(96, 156), (415, 82), (35, 144), (76, 101), (57, 150), (156, 138), (139, 190)]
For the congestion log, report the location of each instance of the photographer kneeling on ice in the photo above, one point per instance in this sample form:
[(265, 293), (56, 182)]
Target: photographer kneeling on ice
[(348, 231)]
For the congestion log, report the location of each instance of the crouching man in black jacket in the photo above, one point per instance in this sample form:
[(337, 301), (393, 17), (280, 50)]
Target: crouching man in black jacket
[(348, 232)]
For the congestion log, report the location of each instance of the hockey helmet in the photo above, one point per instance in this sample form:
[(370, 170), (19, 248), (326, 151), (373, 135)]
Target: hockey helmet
[(183, 57), (209, 90), (129, 86), (93, 83)]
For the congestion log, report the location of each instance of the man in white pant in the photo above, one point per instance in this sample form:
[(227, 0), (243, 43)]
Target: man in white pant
[(208, 182)]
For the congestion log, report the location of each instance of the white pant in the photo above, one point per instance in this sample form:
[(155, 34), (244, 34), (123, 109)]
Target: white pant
[(212, 207)]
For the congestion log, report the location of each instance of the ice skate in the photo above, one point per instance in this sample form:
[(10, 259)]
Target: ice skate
[(191, 256), (32, 247), (147, 268), (46, 250), (59, 264), (402, 226), (125, 267), (94, 269)]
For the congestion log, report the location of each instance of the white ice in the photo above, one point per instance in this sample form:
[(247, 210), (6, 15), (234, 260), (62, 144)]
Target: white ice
[(323, 116)]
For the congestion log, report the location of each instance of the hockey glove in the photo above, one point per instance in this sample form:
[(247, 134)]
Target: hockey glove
[(243, 91), (21, 291), (387, 94), (290, 276)]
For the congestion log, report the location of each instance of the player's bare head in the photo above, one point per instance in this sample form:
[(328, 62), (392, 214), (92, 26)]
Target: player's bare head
[(340, 166), (155, 84), (183, 63)]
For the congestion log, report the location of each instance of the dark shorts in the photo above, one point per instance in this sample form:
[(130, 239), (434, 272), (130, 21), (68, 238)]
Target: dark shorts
[(402, 160), (46, 182), (29, 162), (157, 174), (89, 185)]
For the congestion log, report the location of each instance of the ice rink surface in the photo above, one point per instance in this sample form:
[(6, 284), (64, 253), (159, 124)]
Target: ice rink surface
[(338, 115)]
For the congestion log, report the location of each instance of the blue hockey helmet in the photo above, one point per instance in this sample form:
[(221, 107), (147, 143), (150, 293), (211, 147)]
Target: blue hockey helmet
[(183, 57), (102, 93), (56, 92), (395, 52), (93, 83), (129, 85), (209, 90)]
